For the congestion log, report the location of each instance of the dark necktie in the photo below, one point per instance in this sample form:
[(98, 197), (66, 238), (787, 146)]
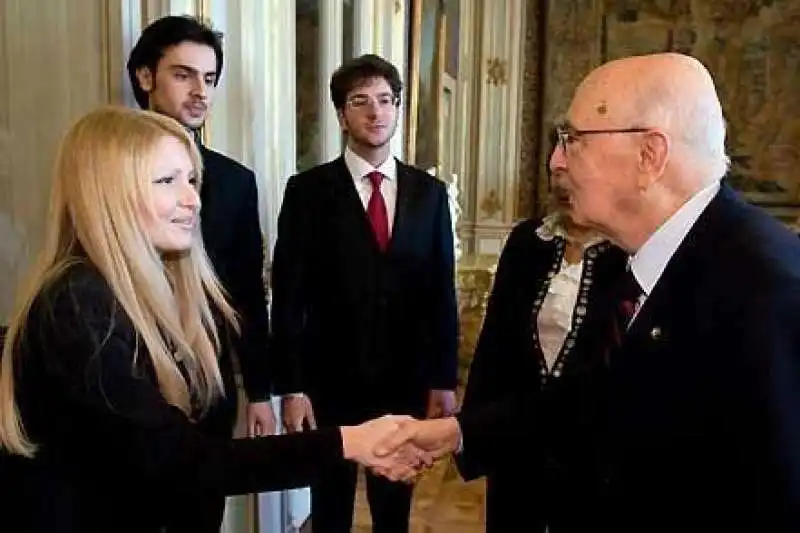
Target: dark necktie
[(376, 211), (627, 294)]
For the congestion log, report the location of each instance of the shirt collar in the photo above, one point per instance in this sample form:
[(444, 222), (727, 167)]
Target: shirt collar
[(651, 259), (359, 167)]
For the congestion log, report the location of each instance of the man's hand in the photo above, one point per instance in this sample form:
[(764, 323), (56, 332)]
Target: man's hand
[(441, 403), (260, 419), (297, 408), (437, 437), (403, 463)]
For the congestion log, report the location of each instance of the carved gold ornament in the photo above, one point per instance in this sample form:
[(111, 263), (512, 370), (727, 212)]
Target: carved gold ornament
[(491, 204), (496, 71)]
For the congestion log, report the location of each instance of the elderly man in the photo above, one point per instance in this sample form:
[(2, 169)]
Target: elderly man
[(702, 425)]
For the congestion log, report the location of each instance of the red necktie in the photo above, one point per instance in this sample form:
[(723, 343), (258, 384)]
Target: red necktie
[(628, 292), (376, 211)]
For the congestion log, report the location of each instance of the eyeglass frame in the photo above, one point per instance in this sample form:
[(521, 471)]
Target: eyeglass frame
[(395, 100), (564, 131)]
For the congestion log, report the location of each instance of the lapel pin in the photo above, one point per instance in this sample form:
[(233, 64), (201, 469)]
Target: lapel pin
[(655, 333)]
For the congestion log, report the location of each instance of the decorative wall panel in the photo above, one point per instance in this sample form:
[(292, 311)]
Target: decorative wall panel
[(750, 47)]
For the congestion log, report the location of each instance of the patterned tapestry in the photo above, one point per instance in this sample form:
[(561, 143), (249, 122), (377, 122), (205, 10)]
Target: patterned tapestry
[(751, 47)]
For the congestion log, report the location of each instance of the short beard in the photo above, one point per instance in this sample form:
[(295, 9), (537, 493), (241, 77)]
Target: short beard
[(364, 142), (192, 129)]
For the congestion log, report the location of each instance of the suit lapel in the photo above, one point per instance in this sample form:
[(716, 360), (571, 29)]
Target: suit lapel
[(401, 203), (681, 273), (408, 189), (350, 211), (209, 214)]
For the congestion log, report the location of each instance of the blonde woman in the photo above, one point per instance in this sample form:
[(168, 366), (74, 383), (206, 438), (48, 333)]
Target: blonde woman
[(111, 357)]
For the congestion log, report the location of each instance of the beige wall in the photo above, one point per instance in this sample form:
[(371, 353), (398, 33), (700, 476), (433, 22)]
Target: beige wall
[(53, 68)]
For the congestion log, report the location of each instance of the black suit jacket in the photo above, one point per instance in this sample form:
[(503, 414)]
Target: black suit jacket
[(559, 465), (703, 416), (232, 237), (113, 454), (360, 330)]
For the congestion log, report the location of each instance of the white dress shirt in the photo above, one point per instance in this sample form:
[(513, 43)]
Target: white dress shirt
[(652, 258), (360, 168)]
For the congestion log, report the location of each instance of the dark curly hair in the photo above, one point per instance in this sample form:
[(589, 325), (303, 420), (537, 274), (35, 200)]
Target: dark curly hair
[(163, 34), (354, 72)]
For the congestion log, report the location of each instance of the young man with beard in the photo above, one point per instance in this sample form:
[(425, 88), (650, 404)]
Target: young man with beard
[(174, 69), (364, 310)]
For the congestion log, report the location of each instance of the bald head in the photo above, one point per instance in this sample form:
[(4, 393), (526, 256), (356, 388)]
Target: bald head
[(671, 92), (643, 135)]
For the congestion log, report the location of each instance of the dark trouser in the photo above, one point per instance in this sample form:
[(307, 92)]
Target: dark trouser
[(332, 502)]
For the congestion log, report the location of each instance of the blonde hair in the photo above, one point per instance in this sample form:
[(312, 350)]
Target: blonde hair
[(102, 180)]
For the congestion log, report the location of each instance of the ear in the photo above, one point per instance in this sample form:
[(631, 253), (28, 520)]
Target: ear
[(654, 154), (342, 121), (145, 78)]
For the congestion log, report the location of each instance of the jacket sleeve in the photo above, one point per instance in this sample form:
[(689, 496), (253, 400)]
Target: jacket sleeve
[(289, 284), (249, 297), (443, 304), (123, 425), (492, 407)]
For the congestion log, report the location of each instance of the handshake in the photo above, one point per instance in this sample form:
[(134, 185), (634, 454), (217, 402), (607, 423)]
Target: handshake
[(400, 448)]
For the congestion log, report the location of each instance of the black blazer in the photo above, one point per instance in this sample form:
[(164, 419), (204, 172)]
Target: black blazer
[(559, 466), (349, 321), (232, 237), (113, 455), (703, 423)]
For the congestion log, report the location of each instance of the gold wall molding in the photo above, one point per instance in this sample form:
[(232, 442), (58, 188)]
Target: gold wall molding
[(474, 280), (501, 30), (425, 83), (496, 72), (491, 204)]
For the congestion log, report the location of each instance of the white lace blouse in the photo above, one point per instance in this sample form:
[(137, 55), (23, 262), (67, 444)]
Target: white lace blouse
[(555, 316), (554, 319)]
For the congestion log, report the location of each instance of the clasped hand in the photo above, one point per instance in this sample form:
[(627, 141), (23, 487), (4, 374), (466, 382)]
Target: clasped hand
[(401, 447)]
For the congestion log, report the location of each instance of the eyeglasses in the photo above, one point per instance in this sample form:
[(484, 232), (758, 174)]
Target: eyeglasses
[(567, 135), (360, 101)]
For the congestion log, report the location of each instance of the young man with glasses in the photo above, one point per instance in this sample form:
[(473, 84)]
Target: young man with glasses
[(364, 308)]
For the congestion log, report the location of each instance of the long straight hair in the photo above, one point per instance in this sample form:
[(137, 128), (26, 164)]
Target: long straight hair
[(102, 184)]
